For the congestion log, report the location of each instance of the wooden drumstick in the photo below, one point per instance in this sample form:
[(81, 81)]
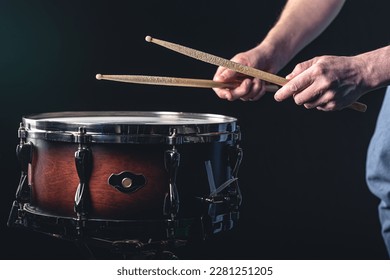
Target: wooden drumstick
[(173, 81), (247, 70)]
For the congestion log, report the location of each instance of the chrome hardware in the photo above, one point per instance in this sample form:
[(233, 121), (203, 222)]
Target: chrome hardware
[(81, 136), (22, 133), (83, 160), (23, 195), (171, 203), (24, 155), (132, 127), (174, 138), (235, 158), (233, 195), (127, 182)]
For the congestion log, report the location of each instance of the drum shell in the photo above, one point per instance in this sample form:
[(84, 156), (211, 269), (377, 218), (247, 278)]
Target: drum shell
[(54, 180)]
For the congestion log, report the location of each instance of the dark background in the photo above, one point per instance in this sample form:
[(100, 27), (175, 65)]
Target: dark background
[(303, 174)]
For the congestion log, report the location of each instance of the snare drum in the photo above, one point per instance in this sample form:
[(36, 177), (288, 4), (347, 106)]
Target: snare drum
[(98, 173)]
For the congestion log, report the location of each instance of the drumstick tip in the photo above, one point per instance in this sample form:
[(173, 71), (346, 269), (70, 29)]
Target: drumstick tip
[(148, 39), (98, 76)]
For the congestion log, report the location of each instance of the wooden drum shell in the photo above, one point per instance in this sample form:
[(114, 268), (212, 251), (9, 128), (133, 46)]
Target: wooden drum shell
[(54, 180)]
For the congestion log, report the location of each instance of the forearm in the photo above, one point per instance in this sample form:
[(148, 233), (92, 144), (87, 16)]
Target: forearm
[(300, 22)]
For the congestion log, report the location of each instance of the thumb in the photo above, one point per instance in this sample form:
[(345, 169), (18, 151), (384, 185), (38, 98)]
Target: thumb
[(225, 75)]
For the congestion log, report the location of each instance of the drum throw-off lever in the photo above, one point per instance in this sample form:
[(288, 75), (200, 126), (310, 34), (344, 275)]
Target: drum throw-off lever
[(235, 158), (229, 191), (231, 197)]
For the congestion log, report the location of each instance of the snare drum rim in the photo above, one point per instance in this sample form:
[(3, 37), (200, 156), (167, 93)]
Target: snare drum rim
[(213, 128)]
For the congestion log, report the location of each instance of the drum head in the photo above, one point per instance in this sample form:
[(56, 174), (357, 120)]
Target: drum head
[(132, 127)]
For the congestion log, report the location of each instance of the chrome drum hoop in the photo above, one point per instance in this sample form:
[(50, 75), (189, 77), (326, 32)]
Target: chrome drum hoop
[(134, 127)]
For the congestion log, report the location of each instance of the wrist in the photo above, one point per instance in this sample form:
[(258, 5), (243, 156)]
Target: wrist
[(267, 57), (375, 67)]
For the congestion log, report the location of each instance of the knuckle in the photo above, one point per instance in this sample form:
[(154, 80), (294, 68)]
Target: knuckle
[(293, 87), (318, 69), (297, 68), (300, 66)]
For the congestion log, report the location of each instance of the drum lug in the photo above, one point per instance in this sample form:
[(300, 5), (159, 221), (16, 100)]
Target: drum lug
[(23, 193), (173, 138), (171, 203), (24, 155), (83, 160), (82, 137), (237, 134)]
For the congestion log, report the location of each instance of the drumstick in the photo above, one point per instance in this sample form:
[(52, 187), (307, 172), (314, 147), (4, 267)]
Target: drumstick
[(219, 61), (173, 81)]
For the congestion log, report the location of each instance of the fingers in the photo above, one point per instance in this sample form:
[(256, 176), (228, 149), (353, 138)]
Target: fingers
[(299, 80), (309, 94), (319, 100), (309, 86), (301, 67), (330, 106), (224, 75), (258, 90), (293, 87), (327, 83), (247, 89)]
